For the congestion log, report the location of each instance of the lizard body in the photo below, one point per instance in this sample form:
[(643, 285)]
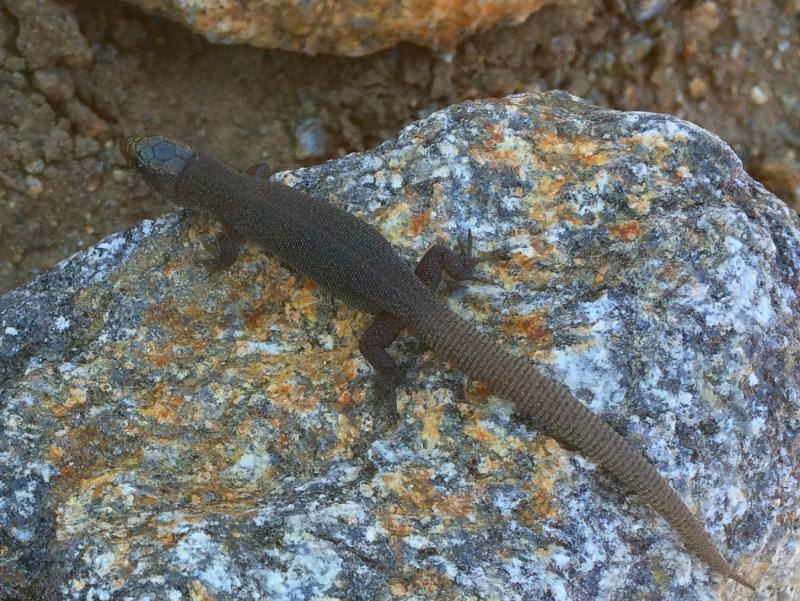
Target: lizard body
[(349, 258)]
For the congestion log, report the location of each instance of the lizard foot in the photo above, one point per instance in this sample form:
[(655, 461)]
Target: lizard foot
[(384, 399), (224, 250), (470, 261)]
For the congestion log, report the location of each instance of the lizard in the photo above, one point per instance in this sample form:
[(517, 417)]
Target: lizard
[(350, 259)]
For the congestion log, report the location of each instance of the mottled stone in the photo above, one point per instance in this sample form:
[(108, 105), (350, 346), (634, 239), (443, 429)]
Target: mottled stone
[(348, 27), (54, 83), (48, 34), (170, 433)]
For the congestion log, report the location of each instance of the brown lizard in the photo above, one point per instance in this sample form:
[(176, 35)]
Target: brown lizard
[(349, 258)]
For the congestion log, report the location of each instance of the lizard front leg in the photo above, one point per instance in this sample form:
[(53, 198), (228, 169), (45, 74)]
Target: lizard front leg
[(380, 334), (225, 249)]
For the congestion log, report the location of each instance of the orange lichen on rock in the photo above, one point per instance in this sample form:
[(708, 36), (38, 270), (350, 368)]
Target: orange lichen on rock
[(456, 507), (161, 406), (532, 326), (640, 201), (303, 302), (431, 583), (499, 445), (600, 274), (419, 222), (54, 454), (347, 433), (549, 188), (75, 397), (414, 491), (559, 150), (627, 231)]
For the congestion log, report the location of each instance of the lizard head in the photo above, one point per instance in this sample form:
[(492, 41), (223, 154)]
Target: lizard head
[(159, 160)]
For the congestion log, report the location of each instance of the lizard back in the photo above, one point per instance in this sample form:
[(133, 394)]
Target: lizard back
[(343, 254)]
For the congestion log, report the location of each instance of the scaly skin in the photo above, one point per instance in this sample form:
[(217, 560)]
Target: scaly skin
[(350, 259)]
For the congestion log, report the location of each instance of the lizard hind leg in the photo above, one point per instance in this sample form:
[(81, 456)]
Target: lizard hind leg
[(380, 334), (460, 266)]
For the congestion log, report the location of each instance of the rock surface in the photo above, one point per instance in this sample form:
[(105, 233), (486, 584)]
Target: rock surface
[(168, 433), (347, 27)]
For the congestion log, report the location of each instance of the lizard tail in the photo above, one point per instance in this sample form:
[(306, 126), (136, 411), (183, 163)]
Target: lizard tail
[(566, 419)]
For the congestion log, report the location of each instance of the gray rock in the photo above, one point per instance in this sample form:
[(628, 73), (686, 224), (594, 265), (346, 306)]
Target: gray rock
[(166, 432)]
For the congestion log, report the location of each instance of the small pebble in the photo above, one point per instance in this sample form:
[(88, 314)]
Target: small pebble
[(759, 95), (14, 63), (93, 182), (18, 81), (84, 119), (562, 48), (85, 147), (33, 186), (35, 166), (56, 84), (637, 48), (706, 18), (312, 139), (698, 88), (120, 176), (57, 145)]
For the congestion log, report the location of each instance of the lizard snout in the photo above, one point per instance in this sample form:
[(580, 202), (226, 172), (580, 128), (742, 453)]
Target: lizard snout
[(128, 149)]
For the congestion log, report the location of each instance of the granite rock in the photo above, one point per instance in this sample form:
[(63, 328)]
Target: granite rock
[(347, 27), (170, 433)]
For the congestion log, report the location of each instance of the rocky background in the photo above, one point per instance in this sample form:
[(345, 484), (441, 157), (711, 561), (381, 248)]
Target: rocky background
[(76, 75)]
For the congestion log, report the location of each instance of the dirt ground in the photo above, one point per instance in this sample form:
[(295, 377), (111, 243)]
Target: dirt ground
[(66, 96)]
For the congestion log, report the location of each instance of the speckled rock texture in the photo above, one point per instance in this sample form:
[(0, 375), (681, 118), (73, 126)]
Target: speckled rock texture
[(347, 27), (170, 433)]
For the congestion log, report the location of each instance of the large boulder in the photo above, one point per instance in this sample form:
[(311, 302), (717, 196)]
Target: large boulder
[(171, 433)]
